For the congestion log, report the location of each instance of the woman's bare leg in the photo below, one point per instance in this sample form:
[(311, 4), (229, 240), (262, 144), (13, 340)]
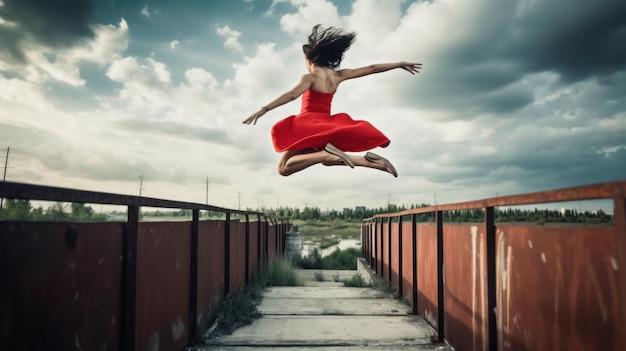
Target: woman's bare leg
[(296, 160)]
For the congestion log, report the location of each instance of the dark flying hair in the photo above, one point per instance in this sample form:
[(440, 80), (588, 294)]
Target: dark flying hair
[(326, 46)]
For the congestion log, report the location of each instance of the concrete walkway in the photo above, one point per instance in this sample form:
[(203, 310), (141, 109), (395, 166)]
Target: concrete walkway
[(330, 318)]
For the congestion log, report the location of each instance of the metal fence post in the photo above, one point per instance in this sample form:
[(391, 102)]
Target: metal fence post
[(193, 278), (492, 311), (128, 323), (375, 246), (247, 260), (266, 230), (379, 229), (441, 311), (414, 259), (389, 225), (400, 277), (227, 255), (619, 215), (259, 260)]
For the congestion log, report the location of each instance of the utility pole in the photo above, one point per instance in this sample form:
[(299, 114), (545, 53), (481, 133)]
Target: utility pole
[(140, 183), (239, 206), (207, 190), (435, 196), (4, 178)]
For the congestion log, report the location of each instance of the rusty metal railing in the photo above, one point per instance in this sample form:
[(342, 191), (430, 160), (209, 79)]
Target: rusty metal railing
[(515, 286), (123, 285)]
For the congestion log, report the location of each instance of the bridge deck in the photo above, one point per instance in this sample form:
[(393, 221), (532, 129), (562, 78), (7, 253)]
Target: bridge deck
[(332, 317)]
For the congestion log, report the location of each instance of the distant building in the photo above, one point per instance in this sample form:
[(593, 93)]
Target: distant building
[(359, 210)]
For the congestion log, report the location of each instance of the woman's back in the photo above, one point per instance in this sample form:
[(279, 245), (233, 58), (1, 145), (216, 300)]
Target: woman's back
[(325, 80)]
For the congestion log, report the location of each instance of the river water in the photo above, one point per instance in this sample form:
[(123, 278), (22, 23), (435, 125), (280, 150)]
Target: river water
[(343, 244)]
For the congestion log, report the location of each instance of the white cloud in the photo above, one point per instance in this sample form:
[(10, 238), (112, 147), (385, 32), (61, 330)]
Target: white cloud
[(232, 38), (63, 64), (145, 11), (144, 85), (174, 118), (310, 13)]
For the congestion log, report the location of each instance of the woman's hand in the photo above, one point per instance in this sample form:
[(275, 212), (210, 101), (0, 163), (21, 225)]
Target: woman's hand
[(255, 116), (411, 67)]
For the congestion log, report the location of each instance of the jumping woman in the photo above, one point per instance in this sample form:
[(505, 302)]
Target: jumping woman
[(315, 136)]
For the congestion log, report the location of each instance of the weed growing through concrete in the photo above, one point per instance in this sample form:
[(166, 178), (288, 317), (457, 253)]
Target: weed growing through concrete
[(240, 309), (319, 276), (280, 272), (338, 259), (356, 281)]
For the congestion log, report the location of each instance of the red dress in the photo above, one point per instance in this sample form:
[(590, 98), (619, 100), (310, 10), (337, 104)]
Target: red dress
[(315, 126)]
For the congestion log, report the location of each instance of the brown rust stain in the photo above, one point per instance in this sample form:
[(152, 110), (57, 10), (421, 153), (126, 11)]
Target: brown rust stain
[(163, 261), (465, 296), (557, 288)]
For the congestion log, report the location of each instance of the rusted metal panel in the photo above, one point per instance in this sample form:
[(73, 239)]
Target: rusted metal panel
[(366, 241), (163, 256), (465, 279), (210, 271), (253, 257), (427, 272), (619, 211), (395, 255), (60, 285), (271, 242), (369, 252), (379, 249), (237, 256), (385, 253), (585, 192), (263, 243), (407, 262), (558, 288)]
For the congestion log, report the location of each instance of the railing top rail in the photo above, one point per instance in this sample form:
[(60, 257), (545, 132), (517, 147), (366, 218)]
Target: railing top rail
[(609, 190), (23, 191)]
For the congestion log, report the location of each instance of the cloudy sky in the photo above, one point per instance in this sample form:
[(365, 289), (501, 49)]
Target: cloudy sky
[(514, 96)]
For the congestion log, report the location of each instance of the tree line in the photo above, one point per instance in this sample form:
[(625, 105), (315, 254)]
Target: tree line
[(80, 212), (508, 214), (21, 210)]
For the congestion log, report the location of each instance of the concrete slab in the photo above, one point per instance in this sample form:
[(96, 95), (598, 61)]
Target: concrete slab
[(329, 318), (331, 331), (323, 283), (298, 292), (328, 275), (432, 347), (333, 306)]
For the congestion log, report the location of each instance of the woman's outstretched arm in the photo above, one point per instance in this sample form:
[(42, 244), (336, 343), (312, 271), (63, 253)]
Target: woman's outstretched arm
[(305, 83), (378, 68)]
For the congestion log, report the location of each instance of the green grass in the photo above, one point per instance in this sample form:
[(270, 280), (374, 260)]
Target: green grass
[(338, 259), (356, 281), (240, 309), (280, 272), (336, 229)]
